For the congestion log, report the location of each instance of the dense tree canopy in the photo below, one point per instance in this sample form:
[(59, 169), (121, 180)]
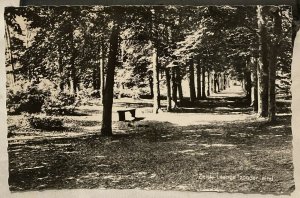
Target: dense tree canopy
[(136, 47)]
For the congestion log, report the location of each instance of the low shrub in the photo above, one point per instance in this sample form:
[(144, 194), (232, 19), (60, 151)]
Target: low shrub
[(60, 103), (45, 122), (28, 96)]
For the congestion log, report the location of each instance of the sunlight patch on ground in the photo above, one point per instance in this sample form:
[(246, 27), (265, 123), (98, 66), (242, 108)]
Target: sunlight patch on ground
[(277, 127), (36, 167), (92, 128), (62, 145), (192, 144), (189, 152), (186, 151), (196, 118), (265, 136), (218, 145), (91, 175), (100, 156), (103, 165), (181, 187), (48, 135)]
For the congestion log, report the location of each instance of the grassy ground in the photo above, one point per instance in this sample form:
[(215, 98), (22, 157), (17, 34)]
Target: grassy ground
[(217, 145)]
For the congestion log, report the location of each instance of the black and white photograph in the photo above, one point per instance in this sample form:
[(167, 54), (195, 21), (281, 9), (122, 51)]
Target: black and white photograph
[(172, 98)]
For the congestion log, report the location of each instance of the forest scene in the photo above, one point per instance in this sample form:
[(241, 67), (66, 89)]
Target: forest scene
[(189, 98)]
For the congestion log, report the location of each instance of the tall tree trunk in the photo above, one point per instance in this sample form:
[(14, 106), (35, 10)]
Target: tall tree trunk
[(262, 67), (221, 81), (271, 87), (224, 81), (151, 86), (101, 68), (198, 72), (208, 83), (215, 82), (156, 96), (73, 75), (174, 84), (254, 89), (169, 99), (94, 83), (248, 85), (192, 81), (272, 65), (9, 49), (218, 83), (106, 128), (203, 82), (179, 85), (60, 69), (72, 62)]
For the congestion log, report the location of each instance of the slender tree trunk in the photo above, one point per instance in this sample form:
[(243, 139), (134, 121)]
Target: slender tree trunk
[(72, 62), (248, 86), (101, 69), (208, 83), (254, 89), (198, 72), (169, 99), (221, 82), (156, 96), (94, 83), (174, 85), (192, 81), (215, 82), (228, 81), (106, 128), (73, 75), (60, 69), (179, 85), (262, 68), (212, 83), (9, 49), (151, 86), (224, 81), (272, 66), (271, 87), (203, 82)]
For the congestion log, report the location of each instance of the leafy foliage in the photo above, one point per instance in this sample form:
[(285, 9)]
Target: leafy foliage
[(27, 96), (45, 122), (60, 103)]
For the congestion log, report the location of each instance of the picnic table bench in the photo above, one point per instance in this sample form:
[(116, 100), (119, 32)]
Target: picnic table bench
[(122, 112)]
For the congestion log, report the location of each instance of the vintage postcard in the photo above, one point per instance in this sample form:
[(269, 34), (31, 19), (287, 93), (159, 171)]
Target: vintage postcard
[(180, 98)]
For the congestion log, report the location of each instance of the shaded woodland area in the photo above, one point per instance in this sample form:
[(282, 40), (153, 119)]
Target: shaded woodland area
[(215, 78)]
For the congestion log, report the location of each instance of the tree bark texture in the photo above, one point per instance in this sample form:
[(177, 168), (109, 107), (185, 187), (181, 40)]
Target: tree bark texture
[(198, 72), (102, 69), (203, 96), (156, 89), (106, 128), (192, 81), (272, 65), (174, 84), (262, 67), (169, 99)]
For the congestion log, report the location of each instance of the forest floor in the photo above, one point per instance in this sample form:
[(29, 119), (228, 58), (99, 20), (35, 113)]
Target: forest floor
[(216, 145)]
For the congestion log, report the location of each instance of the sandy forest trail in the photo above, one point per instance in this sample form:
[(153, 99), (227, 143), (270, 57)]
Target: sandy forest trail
[(216, 145)]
